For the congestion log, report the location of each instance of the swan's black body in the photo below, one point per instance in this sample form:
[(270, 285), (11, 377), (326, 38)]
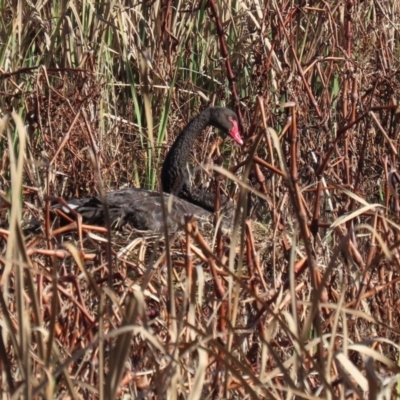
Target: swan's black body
[(142, 209)]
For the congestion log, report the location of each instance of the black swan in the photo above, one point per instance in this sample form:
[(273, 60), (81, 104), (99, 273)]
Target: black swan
[(141, 208), (174, 177)]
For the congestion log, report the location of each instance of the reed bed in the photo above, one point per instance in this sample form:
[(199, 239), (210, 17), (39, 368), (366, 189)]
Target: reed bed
[(300, 299)]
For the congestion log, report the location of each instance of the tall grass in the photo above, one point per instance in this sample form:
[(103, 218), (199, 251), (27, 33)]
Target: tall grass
[(300, 302)]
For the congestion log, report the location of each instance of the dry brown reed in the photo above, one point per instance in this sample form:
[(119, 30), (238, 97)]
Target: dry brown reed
[(301, 300)]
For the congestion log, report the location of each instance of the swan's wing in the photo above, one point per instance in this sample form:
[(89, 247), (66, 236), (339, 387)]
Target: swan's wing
[(137, 207), (143, 209)]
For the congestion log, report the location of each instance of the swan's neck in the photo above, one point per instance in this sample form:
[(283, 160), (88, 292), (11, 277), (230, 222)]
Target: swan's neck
[(199, 198), (173, 170)]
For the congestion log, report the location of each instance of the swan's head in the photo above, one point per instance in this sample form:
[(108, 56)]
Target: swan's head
[(226, 120)]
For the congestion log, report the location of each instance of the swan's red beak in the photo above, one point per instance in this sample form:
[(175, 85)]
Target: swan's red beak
[(234, 133)]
